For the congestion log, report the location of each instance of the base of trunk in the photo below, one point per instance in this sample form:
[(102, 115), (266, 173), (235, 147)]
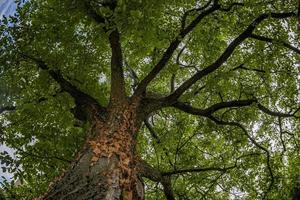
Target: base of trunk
[(87, 180), (106, 169)]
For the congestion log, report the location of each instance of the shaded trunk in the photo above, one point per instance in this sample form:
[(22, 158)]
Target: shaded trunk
[(296, 189), (106, 168)]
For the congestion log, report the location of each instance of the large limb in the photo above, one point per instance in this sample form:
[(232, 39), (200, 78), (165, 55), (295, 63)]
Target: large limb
[(230, 104), (117, 91), (117, 75), (82, 100), (185, 30), (147, 171), (225, 55), (210, 110)]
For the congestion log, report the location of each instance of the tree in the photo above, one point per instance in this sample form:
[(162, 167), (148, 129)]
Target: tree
[(157, 99)]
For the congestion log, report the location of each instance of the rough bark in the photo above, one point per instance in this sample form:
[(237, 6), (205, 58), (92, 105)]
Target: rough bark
[(106, 168)]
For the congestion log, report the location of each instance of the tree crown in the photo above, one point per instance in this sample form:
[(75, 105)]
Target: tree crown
[(219, 81)]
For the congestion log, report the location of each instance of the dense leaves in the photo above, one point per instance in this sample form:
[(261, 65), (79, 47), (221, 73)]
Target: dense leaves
[(233, 152)]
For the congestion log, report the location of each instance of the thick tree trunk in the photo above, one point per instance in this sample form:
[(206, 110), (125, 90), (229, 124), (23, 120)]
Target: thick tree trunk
[(106, 168)]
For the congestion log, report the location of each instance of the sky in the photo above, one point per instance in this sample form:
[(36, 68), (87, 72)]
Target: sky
[(6, 175), (7, 7)]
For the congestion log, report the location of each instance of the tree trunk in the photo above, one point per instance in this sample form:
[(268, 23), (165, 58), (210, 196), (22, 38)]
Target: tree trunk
[(296, 189), (106, 168)]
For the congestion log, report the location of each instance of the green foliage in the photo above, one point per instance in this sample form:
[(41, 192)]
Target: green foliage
[(45, 134)]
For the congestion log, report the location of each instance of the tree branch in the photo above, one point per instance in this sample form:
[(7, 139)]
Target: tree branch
[(276, 114), (172, 82), (151, 130), (81, 98), (248, 69), (207, 112), (191, 170), (225, 55), (117, 75), (155, 175), (184, 65), (271, 40), (118, 91), (132, 75), (186, 13), (172, 47), (236, 124), (155, 136), (281, 136), (210, 110)]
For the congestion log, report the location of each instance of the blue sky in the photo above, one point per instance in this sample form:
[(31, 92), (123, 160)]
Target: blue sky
[(7, 7), (7, 176)]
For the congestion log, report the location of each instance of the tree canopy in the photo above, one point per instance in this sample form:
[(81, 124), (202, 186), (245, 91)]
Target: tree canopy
[(221, 77)]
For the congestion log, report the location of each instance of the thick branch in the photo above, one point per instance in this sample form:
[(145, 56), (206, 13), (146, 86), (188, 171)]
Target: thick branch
[(207, 112), (210, 110), (271, 40), (155, 175), (151, 130), (164, 177), (81, 98), (225, 55), (172, 47), (117, 74)]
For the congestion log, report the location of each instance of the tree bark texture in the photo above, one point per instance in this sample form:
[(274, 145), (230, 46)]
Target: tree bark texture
[(106, 168)]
